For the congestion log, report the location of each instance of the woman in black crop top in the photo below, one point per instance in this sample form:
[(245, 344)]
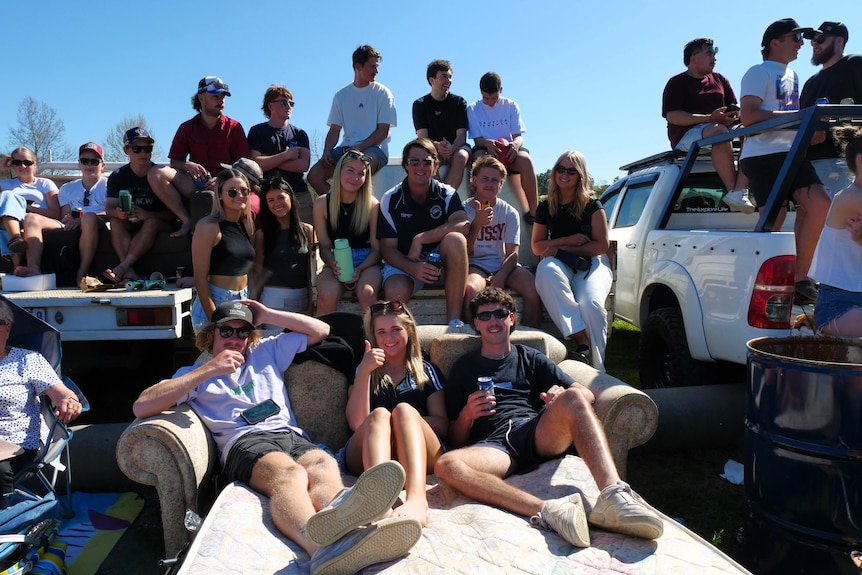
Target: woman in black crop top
[(222, 252), (569, 225), (282, 246), (348, 211)]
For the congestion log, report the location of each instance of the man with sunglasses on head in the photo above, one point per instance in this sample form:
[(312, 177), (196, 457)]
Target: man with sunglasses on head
[(418, 217), (838, 80), (769, 90), (134, 233), (280, 148), (81, 201), (700, 103), (240, 396), (200, 146), (365, 110), (533, 412)]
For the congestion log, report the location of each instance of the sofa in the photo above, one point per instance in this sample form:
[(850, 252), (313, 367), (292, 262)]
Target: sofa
[(174, 453)]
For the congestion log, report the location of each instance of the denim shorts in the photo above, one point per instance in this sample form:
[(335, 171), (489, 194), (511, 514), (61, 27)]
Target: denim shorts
[(833, 302)]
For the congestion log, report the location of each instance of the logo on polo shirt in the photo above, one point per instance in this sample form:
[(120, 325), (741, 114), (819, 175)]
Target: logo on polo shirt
[(436, 212)]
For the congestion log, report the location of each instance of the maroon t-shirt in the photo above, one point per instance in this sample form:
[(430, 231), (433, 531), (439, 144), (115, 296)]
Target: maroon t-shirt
[(224, 144), (695, 96)]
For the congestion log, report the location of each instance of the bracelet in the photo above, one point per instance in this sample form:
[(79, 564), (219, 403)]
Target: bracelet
[(73, 398)]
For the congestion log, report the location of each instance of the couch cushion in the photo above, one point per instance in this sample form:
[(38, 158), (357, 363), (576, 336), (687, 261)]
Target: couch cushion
[(318, 396)]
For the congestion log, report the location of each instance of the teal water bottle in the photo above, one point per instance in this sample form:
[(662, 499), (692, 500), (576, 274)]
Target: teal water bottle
[(344, 256)]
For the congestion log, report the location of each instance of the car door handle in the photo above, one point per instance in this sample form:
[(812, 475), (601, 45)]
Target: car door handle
[(631, 246)]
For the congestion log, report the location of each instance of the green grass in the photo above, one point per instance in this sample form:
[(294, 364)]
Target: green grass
[(621, 356)]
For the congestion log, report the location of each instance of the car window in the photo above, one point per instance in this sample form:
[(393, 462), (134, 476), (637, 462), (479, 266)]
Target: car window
[(609, 201), (633, 202)]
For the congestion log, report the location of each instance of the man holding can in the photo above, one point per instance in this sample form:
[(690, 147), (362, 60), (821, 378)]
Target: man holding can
[(536, 413), (420, 217)]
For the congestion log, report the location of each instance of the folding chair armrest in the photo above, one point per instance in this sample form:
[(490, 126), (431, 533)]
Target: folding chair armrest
[(173, 452)]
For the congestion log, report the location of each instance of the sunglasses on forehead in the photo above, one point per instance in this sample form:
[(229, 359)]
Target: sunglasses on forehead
[(356, 155), (227, 331), (385, 307)]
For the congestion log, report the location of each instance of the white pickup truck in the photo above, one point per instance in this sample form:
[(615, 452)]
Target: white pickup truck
[(699, 280)]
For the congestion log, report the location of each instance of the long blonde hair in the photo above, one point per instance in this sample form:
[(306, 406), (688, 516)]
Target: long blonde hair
[(415, 366), (217, 213), (583, 192), (361, 216)]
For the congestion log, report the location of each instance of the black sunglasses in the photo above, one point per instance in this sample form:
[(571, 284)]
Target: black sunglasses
[(139, 149), (4, 322), (497, 314), (356, 155), (284, 102), (27, 163), (416, 161), (227, 331), (234, 191), (385, 307), (86, 198), (819, 39), (89, 161), (562, 170)]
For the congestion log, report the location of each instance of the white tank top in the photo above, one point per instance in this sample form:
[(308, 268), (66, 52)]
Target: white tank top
[(837, 260)]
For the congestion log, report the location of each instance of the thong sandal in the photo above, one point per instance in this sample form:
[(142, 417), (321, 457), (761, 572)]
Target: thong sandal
[(109, 276), (17, 244)]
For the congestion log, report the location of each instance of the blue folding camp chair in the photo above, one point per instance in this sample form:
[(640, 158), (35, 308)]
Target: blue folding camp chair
[(29, 522)]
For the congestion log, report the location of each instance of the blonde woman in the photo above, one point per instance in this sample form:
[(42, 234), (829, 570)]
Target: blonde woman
[(395, 405), (348, 211), (574, 277), (222, 249)]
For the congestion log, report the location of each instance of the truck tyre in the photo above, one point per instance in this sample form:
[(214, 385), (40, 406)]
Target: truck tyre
[(664, 357)]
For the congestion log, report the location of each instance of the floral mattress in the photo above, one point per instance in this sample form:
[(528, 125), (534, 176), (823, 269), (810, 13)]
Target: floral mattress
[(462, 536)]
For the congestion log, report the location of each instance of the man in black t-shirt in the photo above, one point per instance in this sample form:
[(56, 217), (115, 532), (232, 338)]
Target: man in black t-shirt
[(441, 117), (419, 216), (839, 79), (534, 413)]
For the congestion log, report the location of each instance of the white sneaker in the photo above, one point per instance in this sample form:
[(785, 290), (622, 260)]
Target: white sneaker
[(619, 509), (739, 201), (567, 517), (456, 326)]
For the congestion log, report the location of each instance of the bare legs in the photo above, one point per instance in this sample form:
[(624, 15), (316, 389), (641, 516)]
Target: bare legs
[(130, 248), (171, 186), (34, 225), (330, 290), (810, 216)]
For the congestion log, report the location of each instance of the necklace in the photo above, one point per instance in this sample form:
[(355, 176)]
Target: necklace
[(347, 209)]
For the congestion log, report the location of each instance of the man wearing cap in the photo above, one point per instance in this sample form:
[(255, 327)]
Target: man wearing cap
[(840, 78), (81, 203), (240, 396), (281, 148), (697, 104), (201, 145), (134, 233), (769, 90), (365, 109)]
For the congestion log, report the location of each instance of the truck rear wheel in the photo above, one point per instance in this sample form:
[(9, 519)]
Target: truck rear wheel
[(664, 357)]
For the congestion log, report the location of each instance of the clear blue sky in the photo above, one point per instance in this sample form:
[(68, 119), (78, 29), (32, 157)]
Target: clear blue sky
[(587, 75)]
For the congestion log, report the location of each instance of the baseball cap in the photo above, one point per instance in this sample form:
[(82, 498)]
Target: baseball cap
[(92, 146), (830, 29), (228, 310), (781, 27), (248, 167), (213, 85), (136, 133)]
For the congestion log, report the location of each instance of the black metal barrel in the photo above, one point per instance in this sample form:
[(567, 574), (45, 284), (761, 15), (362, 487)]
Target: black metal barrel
[(803, 455)]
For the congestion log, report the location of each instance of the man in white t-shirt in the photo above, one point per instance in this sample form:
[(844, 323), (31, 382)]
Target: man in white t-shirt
[(492, 242), (240, 396), (769, 90), (365, 110), (495, 125)]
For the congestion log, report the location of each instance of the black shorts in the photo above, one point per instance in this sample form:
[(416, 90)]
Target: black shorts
[(518, 439), (762, 172), (245, 452)]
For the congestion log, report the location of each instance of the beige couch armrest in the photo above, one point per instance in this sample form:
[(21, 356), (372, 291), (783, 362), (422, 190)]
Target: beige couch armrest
[(174, 453), (628, 415)]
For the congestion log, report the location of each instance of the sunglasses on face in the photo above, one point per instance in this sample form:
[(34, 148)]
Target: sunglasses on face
[(27, 163), (139, 149), (284, 102), (227, 331), (385, 307), (562, 170), (356, 155), (4, 322), (232, 193), (711, 49), (89, 161), (796, 37), (416, 161), (496, 314), (819, 39)]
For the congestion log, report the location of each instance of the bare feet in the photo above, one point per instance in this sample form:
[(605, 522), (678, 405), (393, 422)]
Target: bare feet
[(415, 509), (184, 229), (26, 271)]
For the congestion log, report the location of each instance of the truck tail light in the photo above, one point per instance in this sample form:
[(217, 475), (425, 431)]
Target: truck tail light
[(144, 316), (771, 304)]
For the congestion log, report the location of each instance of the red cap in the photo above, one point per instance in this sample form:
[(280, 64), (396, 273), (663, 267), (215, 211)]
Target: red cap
[(94, 147)]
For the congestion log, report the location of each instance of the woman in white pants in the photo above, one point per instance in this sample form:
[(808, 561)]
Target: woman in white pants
[(574, 277)]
